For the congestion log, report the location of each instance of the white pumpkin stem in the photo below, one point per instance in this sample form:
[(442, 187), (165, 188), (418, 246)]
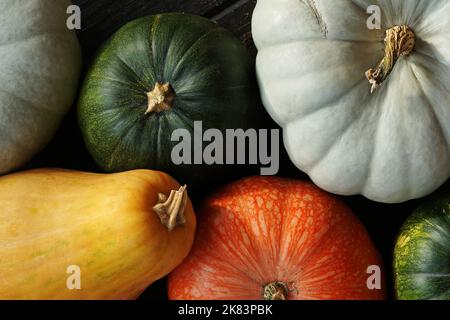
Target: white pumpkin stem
[(170, 210), (161, 98), (399, 42), (276, 291)]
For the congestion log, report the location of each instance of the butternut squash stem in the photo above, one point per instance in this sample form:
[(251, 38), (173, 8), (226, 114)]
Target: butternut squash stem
[(399, 42), (276, 291), (161, 98), (170, 210)]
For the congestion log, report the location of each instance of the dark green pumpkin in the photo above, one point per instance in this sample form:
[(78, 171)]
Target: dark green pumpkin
[(210, 72), (422, 253)]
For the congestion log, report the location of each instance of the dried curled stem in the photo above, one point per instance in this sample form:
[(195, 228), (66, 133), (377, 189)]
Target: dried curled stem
[(276, 291), (161, 98), (400, 41), (171, 209)]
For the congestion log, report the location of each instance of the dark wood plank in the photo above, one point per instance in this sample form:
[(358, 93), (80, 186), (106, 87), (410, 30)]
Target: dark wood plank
[(238, 18), (101, 18)]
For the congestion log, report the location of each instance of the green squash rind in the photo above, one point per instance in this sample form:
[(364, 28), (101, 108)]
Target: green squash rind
[(422, 253), (210, 70)]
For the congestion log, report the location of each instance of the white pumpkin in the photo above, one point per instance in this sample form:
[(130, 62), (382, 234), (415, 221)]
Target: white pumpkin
[(40, 62), (355, 125)]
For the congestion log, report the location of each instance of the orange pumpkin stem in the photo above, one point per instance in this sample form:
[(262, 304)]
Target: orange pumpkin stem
[(276, 291), (170, 210), (160, 98)]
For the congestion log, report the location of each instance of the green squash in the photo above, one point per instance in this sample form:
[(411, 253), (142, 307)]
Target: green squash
[(158, 74), (422, 253)]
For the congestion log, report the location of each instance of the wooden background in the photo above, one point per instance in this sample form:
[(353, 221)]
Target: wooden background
[(101, 18)]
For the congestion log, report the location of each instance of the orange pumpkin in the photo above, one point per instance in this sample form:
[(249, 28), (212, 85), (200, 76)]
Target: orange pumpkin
[(275, 239)]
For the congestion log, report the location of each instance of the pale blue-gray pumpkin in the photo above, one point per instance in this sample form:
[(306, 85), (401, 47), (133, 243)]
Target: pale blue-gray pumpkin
[(40, 62)]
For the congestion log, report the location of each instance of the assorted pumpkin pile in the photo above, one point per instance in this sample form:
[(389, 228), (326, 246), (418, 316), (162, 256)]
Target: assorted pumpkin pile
[(382, 132)]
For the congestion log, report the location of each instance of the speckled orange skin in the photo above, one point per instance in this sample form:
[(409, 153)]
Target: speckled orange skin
[(260, 230)]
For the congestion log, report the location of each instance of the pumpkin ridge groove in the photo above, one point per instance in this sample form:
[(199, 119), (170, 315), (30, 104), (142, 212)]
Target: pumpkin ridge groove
[(194, 45), (444, 88), (359, 7), (339, 136), (151, 77), (153, 28), (120, 139), (162, 120), (280, 240), (117, 81), (183, 117), (243, 203), (30, 72), (116, 108), (320, 21), (434, 59), (333, 101), (252, 258), (374, 149), (29, 103), (312, 40), (30, 37), (330, 105), (432, 111), (137, 78), (181, 90), (232, 265), (314, 250)]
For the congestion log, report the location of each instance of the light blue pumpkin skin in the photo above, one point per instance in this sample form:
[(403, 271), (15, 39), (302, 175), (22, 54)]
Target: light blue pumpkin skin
[(40, 63)]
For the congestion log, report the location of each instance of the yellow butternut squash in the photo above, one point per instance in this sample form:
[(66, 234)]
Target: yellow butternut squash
[(75, 235)]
